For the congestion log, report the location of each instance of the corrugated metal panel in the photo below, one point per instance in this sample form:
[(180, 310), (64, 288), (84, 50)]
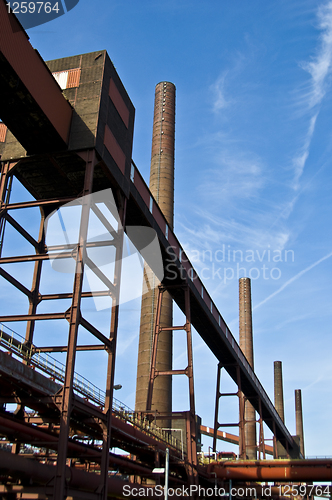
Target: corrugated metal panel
[(73, 78), (114, 149), (119, 102), (3, 132)]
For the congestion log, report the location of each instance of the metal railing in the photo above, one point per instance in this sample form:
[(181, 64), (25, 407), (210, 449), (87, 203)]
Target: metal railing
[(15, 343)]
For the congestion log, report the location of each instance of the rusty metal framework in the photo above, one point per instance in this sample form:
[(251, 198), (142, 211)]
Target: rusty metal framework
[(241, 422), (261, 447), (189, 416), (63, 399)]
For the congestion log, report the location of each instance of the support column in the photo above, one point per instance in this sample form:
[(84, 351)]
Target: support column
[(107, 426), (75, 314), (34, 299), (189, 416), (216, 409)]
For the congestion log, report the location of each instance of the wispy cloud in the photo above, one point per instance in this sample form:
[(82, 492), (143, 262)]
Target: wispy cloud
[(218, 90), (296, 277), (320, 66), (311, 97)]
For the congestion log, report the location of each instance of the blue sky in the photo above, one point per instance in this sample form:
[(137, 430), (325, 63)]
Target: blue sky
[(253, 162)]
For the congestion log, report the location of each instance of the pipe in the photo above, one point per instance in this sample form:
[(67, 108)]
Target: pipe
[(278, 470), (32, 433), (18, 466)]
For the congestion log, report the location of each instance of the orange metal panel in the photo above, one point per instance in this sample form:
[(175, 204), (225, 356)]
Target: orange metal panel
[(74, 78), (3, 132), (156, 212), (119, 102), (142, 187), (173, 242), (114, 149)]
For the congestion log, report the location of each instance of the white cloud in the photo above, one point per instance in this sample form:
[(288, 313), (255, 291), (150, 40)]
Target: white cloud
[(318, 68), (296, 277), (218, 89)]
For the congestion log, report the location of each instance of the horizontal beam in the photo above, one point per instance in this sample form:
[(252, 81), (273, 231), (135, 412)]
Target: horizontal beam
[(32, 317), (65, 348)]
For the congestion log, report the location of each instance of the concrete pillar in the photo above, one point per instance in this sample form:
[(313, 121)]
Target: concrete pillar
[(299, 419), (246, 345), (162, 188)]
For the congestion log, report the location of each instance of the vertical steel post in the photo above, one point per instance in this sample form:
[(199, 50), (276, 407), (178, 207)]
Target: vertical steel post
[(107, 426), (67, 390), (34, 300), (5, 188), (189, 415), (166, 473), (192, 444), (242, 440), (154, 349), (261, 448), (216, 410)]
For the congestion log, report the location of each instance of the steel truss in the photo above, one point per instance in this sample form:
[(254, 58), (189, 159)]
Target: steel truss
[(64, 397), (189, 416)]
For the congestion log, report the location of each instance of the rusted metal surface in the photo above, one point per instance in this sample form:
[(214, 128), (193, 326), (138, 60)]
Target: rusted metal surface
[(44, 474), (37, 104), (118, 102), (75, 313), (107, 428), (228, 437), (216, 409), (190, 422), (261, 442), (275, 470), (3, 132)]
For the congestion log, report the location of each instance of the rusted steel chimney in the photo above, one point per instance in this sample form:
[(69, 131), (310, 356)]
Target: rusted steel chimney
[(278, 390), (162, 188), (299, 419), (246, 345)]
